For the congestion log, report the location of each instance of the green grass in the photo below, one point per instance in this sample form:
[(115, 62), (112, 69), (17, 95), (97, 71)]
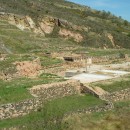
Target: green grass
[(50, 116), (24, 41), (115, 84), (117, 119), (101, 52), (7, 65), (16, 90), (46, 62), (17, 41)]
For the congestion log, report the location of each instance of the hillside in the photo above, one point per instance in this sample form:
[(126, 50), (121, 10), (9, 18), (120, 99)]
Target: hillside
[(63, 66), (35, 26)]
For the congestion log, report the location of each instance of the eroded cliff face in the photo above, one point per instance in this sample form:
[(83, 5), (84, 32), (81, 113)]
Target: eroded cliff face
[(46, 25), (111, 38), (22, 22), (69, 34)]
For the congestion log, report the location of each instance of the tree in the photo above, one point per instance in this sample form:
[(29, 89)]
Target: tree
[(125, 22)]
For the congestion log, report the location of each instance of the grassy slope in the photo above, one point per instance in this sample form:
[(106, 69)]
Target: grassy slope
[(115, 84), (117, 119), (99, 22), (16, 90), (13, 40)]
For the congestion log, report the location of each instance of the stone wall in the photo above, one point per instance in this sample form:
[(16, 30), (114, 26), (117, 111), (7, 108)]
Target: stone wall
[(95, 91), (55, 90), (119, 95), (44, 92), (12, 110), (105, 107)]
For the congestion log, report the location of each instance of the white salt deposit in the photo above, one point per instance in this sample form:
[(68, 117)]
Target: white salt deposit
[(86, 78), (115, 72)]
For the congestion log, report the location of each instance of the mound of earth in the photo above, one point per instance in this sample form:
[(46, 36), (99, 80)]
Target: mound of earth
[(28, 68)]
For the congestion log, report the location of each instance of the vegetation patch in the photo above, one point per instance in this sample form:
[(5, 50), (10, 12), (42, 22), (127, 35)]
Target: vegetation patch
[(115, 84), (16, 90), (116, 119), (51, 114)]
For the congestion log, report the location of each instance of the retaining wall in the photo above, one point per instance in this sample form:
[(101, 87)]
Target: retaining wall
[(119, 95), (12, 110), (55, 90), (105, 107), (42, 93), (101, 108)]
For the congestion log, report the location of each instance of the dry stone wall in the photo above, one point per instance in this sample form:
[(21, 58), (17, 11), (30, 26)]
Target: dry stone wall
[(55, 90), (119, 95), (105, 107), (44, 92), (101, 108), (19, 109)]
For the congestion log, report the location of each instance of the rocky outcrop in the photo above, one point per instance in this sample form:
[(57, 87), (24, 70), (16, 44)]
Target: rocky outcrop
[(22, 22), (110, 37), (69, 34), (45, 25)]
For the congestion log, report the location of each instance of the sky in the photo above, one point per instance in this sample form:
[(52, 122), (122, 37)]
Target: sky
[(116, 7)]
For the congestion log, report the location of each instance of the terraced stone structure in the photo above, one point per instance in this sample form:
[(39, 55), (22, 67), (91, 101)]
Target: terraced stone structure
[(41, 93)]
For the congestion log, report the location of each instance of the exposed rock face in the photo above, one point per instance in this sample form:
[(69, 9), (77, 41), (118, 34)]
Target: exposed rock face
[(111, 39), (47, 24), (25, 23), (28, 68), (69, 34), (22, 22)]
